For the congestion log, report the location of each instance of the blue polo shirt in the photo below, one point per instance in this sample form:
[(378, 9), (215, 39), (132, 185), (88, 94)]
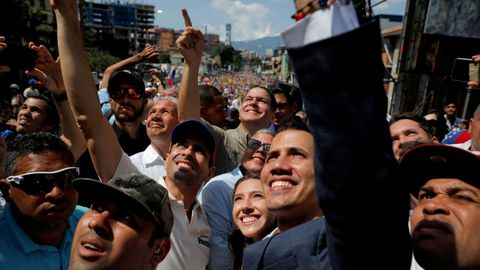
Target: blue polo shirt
[(18, 251)]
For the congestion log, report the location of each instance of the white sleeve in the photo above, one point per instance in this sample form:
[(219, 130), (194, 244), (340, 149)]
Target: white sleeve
[(125, 166)]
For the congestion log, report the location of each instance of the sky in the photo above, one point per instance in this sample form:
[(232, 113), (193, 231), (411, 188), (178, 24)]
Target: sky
[(250, 19)]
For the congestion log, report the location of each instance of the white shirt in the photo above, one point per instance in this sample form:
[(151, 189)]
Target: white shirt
[(148, 162), (190, 239)]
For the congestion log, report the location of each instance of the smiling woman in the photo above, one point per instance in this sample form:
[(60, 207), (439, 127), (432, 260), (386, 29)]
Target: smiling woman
[(250, 215)]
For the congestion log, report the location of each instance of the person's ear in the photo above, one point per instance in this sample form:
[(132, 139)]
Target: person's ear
[(160, 251), (435, 140), (203, 111), (413, 202)]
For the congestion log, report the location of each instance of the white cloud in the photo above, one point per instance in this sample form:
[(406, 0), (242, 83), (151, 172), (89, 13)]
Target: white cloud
[(210, 28), (249, 21)]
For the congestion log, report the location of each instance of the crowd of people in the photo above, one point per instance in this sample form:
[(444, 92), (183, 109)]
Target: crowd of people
[(129, 174)]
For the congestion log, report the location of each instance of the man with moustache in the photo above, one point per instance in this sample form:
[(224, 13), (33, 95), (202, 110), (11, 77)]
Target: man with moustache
[(216, 197), (256, 111), (289, 179), (444, 225), (127, 99), (39, 220), (407, 131), (127, 227)]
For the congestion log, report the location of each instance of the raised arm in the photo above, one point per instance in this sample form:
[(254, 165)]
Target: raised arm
[(49, 72), (148, 53), (191, 45), (356, 173), (100, 137)]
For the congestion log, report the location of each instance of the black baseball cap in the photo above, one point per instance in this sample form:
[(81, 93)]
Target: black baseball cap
[(128, 77), (135, 190), (195, 128), (430, 161)]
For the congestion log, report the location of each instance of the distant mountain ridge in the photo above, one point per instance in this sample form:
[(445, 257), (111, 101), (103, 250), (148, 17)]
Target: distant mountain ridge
[(259, 45)]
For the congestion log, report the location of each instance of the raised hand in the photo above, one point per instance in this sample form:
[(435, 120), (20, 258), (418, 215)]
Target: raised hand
[(150, 52), (48, 70), (191, 43)]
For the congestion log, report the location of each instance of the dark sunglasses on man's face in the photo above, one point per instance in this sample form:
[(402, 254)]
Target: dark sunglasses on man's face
[(43, 182), (120, 93), (255, 144)]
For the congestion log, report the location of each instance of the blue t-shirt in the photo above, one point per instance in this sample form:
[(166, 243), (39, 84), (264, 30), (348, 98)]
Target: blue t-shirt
[(18, 251)]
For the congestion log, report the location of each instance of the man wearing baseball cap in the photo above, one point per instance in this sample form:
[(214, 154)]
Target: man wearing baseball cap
[(128, 100), (127, 227), (444, 224)]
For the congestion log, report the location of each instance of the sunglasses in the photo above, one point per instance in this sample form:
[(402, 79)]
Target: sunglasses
[(43, 182), (255, 144), (120, 93)]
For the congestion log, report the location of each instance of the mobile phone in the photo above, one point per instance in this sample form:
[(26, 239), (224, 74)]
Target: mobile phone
[(464, 70), (17, 56)]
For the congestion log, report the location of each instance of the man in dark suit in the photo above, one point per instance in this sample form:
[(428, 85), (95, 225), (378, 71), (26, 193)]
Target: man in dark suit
[(359, 189)]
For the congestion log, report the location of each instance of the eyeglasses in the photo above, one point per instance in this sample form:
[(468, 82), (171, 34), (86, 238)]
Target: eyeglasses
[(42, 182), (255, 144), (120, 93)]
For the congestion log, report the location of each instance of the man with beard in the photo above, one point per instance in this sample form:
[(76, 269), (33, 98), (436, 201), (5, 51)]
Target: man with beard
[(216, 197), (39, 219), (127, 99), (408, 130)]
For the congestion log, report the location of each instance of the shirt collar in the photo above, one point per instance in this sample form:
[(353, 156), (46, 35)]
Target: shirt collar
[(24, 241), (151, 156)]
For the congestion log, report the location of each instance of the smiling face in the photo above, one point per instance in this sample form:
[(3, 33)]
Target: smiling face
[(162, 118), (250, 212), (108, 233), (188, 162), (32, 116), (50, 210), (288, 175), (254, 160), (445, 225), (255, 108)]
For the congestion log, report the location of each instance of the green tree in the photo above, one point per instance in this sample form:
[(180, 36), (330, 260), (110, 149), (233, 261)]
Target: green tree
[(100, 60), (228, 55)]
